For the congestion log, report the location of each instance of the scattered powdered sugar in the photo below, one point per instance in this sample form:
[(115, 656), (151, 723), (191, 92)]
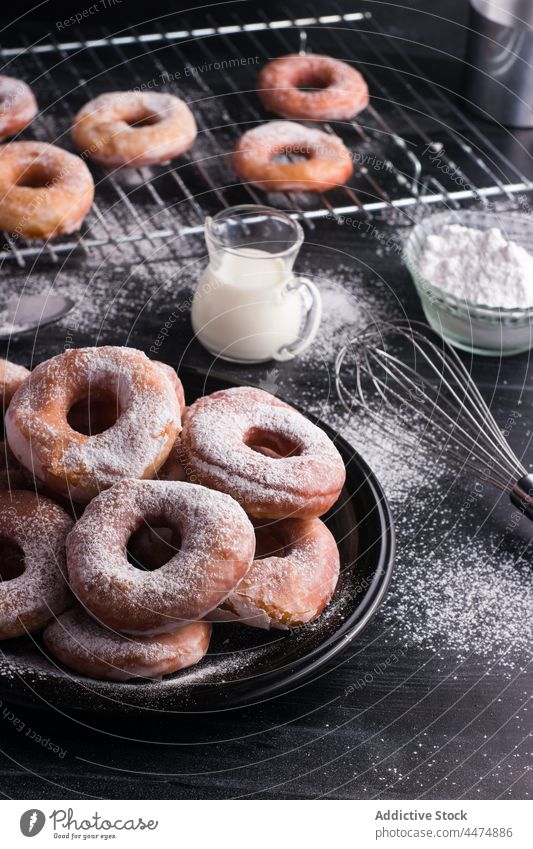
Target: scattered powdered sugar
[(465, 595), (480, 266), (350, 300), (452, 589)]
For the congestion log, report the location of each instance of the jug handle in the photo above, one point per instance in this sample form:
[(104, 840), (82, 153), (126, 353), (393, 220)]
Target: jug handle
[(312, 320)]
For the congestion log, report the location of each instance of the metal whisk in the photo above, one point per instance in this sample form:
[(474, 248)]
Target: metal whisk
[(403, 370)]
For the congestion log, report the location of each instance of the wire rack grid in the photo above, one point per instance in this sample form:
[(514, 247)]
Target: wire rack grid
[(405, 145)]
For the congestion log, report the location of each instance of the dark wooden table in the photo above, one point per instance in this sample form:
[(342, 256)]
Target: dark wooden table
[(397, 715)]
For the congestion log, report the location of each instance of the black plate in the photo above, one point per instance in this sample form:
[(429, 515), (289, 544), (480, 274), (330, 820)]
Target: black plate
[(244, 665)]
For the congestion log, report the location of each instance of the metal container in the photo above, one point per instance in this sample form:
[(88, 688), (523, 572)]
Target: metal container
[(499, 69)]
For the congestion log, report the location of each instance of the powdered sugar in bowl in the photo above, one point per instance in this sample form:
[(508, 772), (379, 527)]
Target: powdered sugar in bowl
[(468, 294)]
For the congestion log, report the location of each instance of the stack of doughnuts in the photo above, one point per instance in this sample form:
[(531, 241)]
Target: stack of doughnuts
[(184, 515)]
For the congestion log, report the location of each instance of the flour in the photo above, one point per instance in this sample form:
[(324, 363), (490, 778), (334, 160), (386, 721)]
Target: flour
[(480, 266)]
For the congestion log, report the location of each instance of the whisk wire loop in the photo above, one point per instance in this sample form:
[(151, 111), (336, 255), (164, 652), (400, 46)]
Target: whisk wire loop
[(430, 393)]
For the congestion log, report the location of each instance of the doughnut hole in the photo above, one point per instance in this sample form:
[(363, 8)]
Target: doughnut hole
[(316, 79), (94, 413), (146, 119), (12, 561), (293, 153), (152, 545), (273, 445), (36, 176)]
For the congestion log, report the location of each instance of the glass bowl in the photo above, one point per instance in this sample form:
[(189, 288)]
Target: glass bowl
[(477, 328)]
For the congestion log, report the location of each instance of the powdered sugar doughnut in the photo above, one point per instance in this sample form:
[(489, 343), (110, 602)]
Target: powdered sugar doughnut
[(134, 128), (221, 435), (291, 580), (324, 161), (78, 465), (336, 91), (215, 551), (82, 644), (11, 377), (44, 191), (176, 382), (34, 589), (17, 106)]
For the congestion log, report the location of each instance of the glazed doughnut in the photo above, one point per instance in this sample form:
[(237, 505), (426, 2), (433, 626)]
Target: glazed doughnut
[(78, 465), (324, 161), (17, 106), (44, 191), (215, 551), (133, 128), (34, 589), (11, 377), (336, 91), (221, 434), (291, 580), (85, 646)]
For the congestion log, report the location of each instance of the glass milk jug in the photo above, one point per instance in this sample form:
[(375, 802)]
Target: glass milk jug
[(249, 307)]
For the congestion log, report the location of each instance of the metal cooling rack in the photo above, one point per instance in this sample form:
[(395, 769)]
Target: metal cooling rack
[(405, 144)]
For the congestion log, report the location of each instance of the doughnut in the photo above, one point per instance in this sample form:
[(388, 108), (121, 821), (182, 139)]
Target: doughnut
[(78, 465), (133, 128), (221, 436), (292, 578), (33, 586), (44, 191), (312, 88), (17, 106), (215, 550), (324, 161), (11, 377), (82, 644), (176, 382)]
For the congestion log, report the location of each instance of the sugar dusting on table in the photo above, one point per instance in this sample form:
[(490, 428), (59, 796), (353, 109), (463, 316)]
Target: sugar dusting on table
[(452, 591)]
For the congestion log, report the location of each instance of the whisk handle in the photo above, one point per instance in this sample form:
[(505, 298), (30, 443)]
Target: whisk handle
[(521, 495)]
